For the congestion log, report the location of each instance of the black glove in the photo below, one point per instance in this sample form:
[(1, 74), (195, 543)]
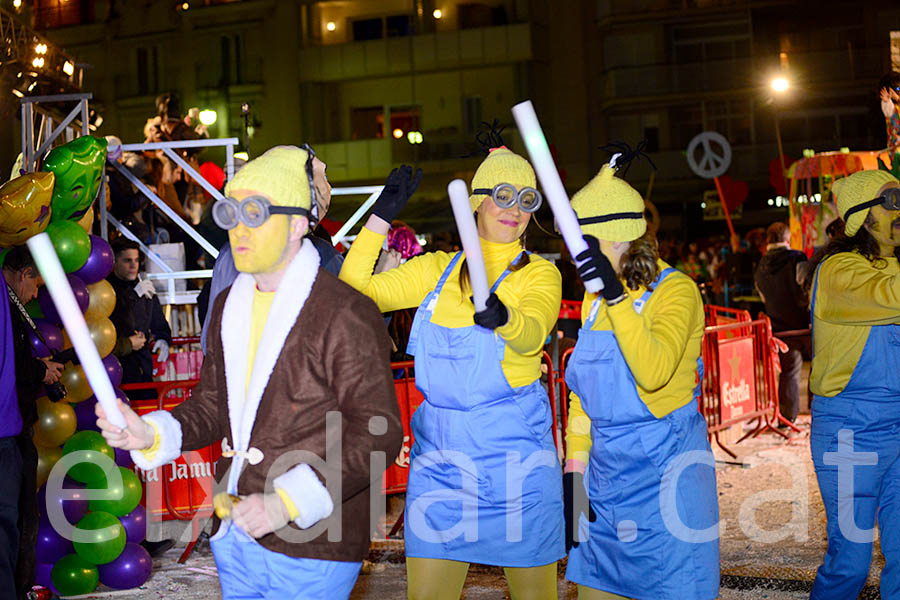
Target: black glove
[(576, 504), (494, 315), (593, 264), (399, 187)]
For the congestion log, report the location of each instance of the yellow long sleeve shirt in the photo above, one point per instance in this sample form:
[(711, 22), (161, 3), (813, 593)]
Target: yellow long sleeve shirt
[(660, 345), (851, 296), (531, 295)]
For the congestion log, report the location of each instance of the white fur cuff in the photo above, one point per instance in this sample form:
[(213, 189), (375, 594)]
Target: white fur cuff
[(309, 496), (169, 431)]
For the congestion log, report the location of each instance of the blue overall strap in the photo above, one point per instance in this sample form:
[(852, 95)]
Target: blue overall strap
[(639, 303), (501, 344), (506, 272), (426, 308)]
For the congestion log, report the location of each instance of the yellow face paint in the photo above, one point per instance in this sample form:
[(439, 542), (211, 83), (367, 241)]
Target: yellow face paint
[(885, 227), (259, 249)]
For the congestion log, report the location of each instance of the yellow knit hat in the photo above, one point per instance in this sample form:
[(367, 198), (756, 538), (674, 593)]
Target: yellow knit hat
[(857, 190), (501, 166), (614, 211), (280, 174)]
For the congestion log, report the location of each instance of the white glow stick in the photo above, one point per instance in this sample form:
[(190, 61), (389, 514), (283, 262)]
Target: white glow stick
[(61, 293), (471, 243), (554, 191)]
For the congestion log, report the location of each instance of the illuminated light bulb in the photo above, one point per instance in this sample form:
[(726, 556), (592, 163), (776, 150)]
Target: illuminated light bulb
[(207, 117), (330, 26), (438, 13), (398, 133), (780, 84), (68, 68)]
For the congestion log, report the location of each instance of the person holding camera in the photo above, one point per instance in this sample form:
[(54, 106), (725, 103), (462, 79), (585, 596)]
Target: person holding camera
[(32, 374)]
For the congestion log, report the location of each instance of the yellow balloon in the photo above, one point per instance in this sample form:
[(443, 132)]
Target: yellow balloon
[(56, 423), (25, 207), (87, 221), (102, 300), (103, 332), (47, 457), (76, 383)]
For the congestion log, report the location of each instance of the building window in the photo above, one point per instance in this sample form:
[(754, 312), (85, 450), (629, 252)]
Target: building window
[(232, 60), (477, 14), (367, 123), (405, 119), (731, 118), (380, 27), (708, 42), (62, 13), (368, 29), (148, 70), (472, 114)]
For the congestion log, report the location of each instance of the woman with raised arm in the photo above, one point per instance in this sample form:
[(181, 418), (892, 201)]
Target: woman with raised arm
[(485, 482)]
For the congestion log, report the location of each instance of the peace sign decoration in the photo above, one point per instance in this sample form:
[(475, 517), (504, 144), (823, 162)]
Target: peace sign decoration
[(716, 154), (714, 161)]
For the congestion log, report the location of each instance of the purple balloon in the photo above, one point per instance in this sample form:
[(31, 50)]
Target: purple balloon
[(135, 524), (86, 418), (113, 369), (81, 297), (51, 334), (73, 508), (38, 348), (121, 396), (51, 546), (99, 263), (130, 570), (123, 458), (42, 576)]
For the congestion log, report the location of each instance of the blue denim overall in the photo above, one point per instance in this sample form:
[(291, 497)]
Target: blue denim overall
[(485, 484), (651, 482), (869, 407)]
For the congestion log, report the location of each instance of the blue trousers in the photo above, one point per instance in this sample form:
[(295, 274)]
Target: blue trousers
[(875, 495), (247, 571), (11, 475)]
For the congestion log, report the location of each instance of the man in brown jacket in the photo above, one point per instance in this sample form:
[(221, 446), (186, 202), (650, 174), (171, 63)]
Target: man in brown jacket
[(297, 386)]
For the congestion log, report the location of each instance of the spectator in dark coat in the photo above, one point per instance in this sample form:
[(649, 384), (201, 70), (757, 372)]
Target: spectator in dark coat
[(779, 280), (141, 327)]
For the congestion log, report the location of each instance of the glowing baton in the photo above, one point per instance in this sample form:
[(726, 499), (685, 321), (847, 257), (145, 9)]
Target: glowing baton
[(471, 243), (61, 293), (554, 191)]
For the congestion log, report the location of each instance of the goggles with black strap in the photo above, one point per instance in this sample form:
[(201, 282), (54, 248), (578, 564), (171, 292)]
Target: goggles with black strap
[(252, 211), (506, 195), (889, 199)]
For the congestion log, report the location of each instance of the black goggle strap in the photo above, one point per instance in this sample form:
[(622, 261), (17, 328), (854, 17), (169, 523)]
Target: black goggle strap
[(863, 206), (314, 204), (289, 210), (610, 217)]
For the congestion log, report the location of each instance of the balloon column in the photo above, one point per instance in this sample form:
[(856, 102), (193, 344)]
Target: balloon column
[(58, 200)]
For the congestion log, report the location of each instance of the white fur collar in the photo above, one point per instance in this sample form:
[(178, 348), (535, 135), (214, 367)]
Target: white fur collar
[(243, 399)]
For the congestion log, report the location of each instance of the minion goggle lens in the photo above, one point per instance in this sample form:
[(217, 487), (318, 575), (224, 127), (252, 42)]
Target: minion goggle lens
[(253, 211), (505, 195)]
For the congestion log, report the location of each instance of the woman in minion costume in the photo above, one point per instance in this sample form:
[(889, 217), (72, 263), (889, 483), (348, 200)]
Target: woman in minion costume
[(855, 379), (484, 483), (640, 484)]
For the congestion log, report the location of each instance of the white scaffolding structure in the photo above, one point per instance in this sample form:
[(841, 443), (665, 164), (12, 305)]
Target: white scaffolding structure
[(37, 141)]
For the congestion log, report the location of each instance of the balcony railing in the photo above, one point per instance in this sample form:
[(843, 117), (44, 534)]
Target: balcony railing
[(805, 68), (391, 56)]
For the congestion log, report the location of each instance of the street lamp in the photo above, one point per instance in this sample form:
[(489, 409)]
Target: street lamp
[(207, 117), (779, 86)]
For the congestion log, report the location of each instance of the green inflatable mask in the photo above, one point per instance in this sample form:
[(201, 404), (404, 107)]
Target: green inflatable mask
[(78, 167)]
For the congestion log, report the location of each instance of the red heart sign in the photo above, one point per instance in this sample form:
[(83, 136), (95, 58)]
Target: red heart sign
[(734, 192)]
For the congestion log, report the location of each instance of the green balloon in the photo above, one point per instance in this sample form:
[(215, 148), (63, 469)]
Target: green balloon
[(121, 499), (71, 242), (34, 310), (107, 538), (92, 466), (78, 167), (73, 576)]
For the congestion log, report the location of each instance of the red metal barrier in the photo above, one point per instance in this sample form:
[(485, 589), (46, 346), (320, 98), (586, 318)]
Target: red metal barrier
[(551, 394), (570, 309), (408, 398), (739, 382), (564, 394)]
